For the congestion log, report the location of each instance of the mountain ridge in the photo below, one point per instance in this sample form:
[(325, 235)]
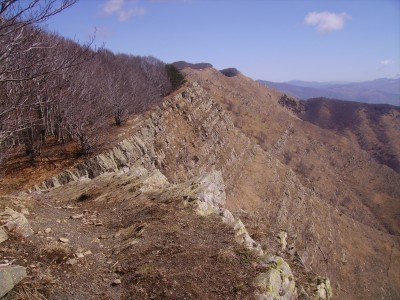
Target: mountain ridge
[(379, 91), (287, 179), (158, 145)]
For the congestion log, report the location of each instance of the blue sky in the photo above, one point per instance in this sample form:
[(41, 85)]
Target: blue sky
[(312, 40)]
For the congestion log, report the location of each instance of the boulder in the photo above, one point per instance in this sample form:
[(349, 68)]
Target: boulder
[(226, 216), (9, 277), (16, 222), (282, 236), (324, 288), (278, 282), (212, 189), (3, 235), (242, 237)]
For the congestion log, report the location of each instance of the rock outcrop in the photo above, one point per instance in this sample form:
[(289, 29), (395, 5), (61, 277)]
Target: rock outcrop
[(186, 137), (15, 222), (9, 277), (278, 282), (337, 205)]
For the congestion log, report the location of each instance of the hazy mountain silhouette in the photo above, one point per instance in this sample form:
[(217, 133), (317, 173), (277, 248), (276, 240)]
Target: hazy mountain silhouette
[(379, 91)]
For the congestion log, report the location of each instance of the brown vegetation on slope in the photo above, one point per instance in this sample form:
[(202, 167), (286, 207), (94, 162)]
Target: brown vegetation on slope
[(374, 127), (355, 199), (321, 188)]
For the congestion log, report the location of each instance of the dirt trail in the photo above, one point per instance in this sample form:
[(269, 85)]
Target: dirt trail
[(127, 241)]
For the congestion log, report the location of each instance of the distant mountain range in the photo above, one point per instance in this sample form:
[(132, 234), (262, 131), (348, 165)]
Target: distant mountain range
[(379, 91)]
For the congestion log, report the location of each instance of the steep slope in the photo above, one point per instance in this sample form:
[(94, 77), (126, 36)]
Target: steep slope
[(373, 127), (355, 198), (234, 125), (137, 225)]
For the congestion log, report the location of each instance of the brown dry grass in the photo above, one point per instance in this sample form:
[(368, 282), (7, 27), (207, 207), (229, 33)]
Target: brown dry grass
[(349, 197)]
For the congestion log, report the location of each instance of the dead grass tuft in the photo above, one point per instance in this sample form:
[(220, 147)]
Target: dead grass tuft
[(55, 252), (226, 256)]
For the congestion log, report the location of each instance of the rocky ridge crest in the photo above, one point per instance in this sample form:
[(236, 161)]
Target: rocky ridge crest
[(150, 149)]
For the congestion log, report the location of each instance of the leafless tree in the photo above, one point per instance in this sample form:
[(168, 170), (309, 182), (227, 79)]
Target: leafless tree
[(52, 87), (19, 37), (82, 112), (28, 55)]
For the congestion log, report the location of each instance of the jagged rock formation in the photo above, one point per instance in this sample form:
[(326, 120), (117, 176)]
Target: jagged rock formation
[(328, 195), (204, 195), (149, 180), (278, 282)]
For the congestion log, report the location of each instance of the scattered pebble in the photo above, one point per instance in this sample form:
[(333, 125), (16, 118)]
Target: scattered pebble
[(87, 252), (25, 211), (63, 240), (80, 255), (47, 230), (98, 224), (69, 207), (58, 221), (71, 261), (78, 216), (116, 282)]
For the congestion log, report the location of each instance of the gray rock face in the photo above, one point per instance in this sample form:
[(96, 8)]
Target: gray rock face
[(243, 238), (136, 151), (278, 282), (3, 235), (16, 222), (282, 236), (324, 288), (226, 216), (213, 190), (9, 277)]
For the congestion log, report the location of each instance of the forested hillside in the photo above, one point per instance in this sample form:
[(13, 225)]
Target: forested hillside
[(54, 90)]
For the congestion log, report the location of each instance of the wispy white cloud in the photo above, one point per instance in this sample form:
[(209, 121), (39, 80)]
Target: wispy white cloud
[(386, 62), (112, 6), (124, 15), (123, 9), (326, 21)]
